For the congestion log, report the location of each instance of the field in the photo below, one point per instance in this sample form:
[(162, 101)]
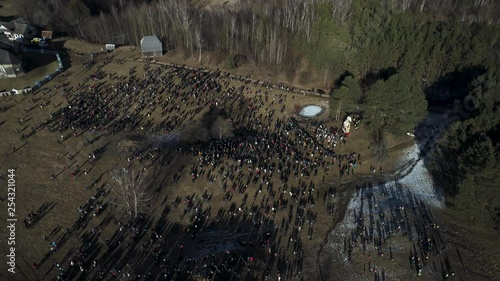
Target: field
[(189, 223)]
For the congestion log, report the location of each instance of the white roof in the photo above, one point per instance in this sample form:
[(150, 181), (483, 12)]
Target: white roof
[(151, 43)]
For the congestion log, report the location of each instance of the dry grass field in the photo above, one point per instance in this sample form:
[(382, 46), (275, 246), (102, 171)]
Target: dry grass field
[(43, 154)]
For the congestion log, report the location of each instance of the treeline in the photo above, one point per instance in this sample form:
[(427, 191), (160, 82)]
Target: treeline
[(266, 32), (466, 160), (260, 30)]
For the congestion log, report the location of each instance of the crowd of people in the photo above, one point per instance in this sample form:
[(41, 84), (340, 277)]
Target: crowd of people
[(274, 162), (387, 211)]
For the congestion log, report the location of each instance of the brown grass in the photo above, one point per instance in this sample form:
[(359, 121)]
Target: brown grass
[(39, 158)]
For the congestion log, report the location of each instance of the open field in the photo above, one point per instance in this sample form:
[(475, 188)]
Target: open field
[(220, 209)]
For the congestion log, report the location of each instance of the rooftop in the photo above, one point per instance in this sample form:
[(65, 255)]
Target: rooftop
[(6, 57)]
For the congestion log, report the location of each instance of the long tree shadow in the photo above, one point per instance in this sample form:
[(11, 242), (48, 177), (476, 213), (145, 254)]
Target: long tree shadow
[(454, 85)]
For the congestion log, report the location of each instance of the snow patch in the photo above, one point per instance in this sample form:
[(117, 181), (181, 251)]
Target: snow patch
[(417, 178)]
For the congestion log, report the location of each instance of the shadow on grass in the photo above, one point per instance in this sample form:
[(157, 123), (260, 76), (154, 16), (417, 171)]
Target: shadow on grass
[(34, 61), (36, 69)]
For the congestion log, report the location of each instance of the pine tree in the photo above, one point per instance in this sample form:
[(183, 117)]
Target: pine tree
[(346, 97), (397, 104)]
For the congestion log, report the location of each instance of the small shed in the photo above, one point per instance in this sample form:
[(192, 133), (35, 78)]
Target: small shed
[(110, 47), (151, 46)]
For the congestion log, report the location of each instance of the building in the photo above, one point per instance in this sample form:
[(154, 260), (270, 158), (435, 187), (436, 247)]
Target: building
[(17, 30), (110, 47), (46, 34), (10, 65), (151, 46)]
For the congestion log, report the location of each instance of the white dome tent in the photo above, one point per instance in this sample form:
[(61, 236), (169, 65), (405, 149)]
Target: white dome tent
[(346, 127)]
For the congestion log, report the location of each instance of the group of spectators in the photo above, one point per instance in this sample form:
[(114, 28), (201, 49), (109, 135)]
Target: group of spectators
[(272, 161)]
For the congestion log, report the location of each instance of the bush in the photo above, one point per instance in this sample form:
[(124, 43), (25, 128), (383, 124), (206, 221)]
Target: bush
[(231, 62)]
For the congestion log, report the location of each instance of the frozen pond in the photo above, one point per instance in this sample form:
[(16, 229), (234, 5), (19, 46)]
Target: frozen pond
[(311, 111)]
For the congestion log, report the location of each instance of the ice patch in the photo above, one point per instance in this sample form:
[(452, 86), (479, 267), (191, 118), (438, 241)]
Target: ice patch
[(311, 111), (417, 179)]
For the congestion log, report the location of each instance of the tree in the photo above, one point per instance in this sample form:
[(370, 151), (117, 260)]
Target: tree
[(131, 189), (397, 104), (346, 98), (78, 14), (199, 41), (466, 159), (198, 34), (222, 128), (341, 10), (477, 192)]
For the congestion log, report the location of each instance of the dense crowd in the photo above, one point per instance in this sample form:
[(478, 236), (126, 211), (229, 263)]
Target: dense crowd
[(273, 161)]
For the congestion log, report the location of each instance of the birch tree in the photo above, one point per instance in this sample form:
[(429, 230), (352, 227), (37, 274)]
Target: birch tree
[(198, 35), (232, 31), (341, 10), (132, 190), (199, 42)]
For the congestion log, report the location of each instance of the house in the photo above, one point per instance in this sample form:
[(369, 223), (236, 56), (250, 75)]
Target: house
[(151, 46), (10, 64), (17, 29)]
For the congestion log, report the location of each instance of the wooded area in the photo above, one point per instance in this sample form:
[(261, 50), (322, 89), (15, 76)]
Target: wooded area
[(389, 60), (466, 159)]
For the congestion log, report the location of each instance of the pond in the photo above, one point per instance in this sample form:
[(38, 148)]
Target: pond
[(311, 111)]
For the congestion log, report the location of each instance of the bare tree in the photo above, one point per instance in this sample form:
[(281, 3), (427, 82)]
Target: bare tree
[(198, 35), (341, 10), (422, 6), (131, 189), (232, 32), (199, 42), (221, 128), (184, 17)]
